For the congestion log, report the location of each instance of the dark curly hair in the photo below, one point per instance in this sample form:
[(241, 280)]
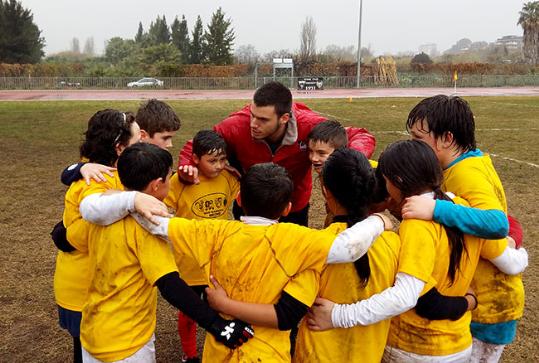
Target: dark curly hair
[(106, 129)]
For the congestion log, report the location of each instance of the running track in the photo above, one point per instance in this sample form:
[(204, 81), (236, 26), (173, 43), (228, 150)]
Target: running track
[(86, 95)]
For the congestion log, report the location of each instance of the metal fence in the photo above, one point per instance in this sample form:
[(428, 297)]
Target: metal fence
[(207, 83)]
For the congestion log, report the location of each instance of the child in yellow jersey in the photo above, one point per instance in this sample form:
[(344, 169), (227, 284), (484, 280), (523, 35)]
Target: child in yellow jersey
[(126, 264), (211, 198), (430, 255), (348, 183), (447, 125), (108, 133), (158, 124), (259, 261)]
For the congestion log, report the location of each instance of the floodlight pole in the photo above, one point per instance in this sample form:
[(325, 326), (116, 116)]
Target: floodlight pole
[(359, 45)]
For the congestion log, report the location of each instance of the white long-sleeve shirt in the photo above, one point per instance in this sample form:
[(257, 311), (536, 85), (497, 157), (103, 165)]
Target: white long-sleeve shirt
[(348, 246), (403, 295)]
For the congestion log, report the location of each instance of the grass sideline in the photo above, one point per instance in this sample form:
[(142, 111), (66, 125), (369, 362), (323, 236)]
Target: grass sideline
[(38, 139)]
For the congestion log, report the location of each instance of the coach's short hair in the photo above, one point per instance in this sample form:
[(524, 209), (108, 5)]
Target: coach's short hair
[(141, 163), (330, 132), (274, 94), (266, 190), (156, 116)]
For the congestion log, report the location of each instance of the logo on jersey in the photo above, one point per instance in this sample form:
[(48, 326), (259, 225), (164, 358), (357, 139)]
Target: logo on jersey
[(211, 205)]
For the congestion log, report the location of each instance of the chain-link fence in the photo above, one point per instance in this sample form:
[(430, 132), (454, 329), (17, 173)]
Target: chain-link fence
[(223, 83)]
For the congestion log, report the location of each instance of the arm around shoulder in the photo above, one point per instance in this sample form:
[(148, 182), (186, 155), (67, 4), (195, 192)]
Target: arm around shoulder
[(354, 242), (511, 261)]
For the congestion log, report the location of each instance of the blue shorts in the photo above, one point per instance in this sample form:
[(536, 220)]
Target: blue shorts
[(70, 320), (498, 333)]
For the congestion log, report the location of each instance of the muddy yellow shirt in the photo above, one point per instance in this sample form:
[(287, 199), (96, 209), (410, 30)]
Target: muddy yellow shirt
[(210, 199), (125, 262), (254, 263), (409, 331), (340, 283), (500, 296), (71, 279)]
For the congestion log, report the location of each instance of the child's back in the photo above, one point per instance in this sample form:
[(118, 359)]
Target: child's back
[(413, 333), (341, 284), (254, 263)]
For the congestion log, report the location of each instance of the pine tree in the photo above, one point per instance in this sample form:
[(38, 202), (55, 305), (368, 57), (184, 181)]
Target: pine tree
[(140, 34), (20, 38), (219, 39), (196, 49), (158, 32), (184, 43), (180, 37)]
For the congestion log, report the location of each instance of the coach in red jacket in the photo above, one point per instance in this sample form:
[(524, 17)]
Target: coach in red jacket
[(273, 129)]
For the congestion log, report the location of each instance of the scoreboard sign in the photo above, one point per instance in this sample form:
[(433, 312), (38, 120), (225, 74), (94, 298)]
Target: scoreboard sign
[(310, 83)]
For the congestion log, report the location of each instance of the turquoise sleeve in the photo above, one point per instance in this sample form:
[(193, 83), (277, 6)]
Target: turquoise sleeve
[(490, 224)]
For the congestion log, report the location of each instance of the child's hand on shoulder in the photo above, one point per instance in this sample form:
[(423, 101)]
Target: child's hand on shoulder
[(419, 207), (217, 296), (149, 206), (93, 171)]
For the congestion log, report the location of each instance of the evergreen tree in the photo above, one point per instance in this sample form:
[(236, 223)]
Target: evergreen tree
[(196, 49), (184, 41), (219, 39), (118, 50), (20, 38), (140, 34), (158, 32), (175, 33)]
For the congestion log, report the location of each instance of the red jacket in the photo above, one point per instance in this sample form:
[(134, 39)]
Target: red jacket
[(292, 154)]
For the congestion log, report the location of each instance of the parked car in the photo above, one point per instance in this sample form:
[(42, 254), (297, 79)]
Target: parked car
[(146, 82), (66, 84)]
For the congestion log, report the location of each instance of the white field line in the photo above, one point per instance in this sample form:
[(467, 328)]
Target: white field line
[(515, 160), (495, 155)]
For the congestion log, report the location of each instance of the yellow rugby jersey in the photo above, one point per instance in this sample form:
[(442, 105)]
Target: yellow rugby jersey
[(340, 283), (255, 264), (211, 199), (409, 331), (71, 279), (125, 262), (500, 296)]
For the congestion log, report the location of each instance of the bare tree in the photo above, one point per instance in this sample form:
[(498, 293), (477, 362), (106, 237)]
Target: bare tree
[(246, 54), (337, 53), (89, 48), (307, 50), (75, 47)]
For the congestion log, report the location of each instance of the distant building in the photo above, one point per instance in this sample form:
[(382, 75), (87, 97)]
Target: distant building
[(511, 42), (429, 48), (479, 45)]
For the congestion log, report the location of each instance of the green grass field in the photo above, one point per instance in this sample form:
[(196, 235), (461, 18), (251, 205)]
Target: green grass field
[(38, 139)]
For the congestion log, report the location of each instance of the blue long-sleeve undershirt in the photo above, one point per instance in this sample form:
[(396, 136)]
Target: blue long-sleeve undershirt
[(490, 224)]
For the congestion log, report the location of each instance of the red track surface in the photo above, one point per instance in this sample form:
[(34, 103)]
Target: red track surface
[(54, 95)]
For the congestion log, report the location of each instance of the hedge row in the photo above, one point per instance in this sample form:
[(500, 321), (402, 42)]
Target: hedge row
[(242, 70)]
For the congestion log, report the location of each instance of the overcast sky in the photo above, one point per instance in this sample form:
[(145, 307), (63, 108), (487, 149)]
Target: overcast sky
[(388, 25)]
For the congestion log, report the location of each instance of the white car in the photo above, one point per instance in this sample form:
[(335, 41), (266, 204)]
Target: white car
[(146, 82)]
